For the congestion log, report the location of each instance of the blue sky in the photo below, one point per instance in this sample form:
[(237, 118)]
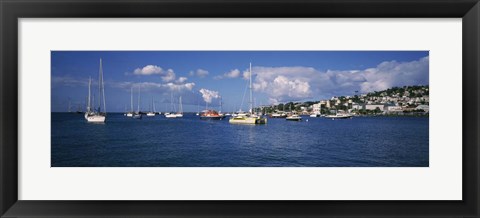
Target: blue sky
[(211, 76)]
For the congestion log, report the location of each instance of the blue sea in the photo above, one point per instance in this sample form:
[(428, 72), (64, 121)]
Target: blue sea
[(190, 142)]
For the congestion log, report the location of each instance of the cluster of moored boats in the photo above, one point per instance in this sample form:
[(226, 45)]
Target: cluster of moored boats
[(95, 114), (245, 117), (295, 117), (138, 115)]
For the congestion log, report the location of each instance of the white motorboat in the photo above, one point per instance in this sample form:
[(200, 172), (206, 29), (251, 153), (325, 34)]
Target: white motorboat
[(293, 117), (339, 115)]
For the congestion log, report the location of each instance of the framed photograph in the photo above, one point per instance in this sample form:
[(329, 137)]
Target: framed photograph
[(226, 108)]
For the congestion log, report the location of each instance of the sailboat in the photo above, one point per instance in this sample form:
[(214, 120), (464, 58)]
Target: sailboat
[(221, 109), (198, 109), (155, 110), (151, 113), (130, 113), (249, 118), (137, 114), (171, 114), (97, 116), (180, 108)]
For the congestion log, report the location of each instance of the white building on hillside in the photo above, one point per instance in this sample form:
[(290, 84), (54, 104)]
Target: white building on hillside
[(422, 107), (316, 108), (374, 106), (394, 108)]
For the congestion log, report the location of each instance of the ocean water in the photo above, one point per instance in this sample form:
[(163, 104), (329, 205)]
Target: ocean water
[(191, 142)]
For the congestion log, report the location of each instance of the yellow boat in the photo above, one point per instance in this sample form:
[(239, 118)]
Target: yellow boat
[(248, 118)]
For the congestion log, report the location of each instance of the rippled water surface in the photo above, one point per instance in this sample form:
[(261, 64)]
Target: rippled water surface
[(191, 142)]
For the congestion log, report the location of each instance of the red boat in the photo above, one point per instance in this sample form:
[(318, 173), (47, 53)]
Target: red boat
[(211, 115)]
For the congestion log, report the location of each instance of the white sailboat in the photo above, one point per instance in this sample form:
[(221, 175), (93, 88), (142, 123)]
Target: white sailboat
[(130, 113), (151, 113), (171, 114), (198, 109), (92, 115), (155, 110), (137, 114), (180, 108), (221, 109), (249, 118)]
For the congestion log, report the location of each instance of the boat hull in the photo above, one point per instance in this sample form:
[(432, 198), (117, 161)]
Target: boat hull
[(278, 116), (95, 118), (338, 117), (211, 117), (170, 115), (293, 119), (247, 120)]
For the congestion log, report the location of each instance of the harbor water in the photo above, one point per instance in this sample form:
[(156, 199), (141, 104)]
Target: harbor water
[(380, 141)]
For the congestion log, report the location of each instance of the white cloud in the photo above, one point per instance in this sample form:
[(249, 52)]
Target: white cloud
[(392, 73), (232, 74), (283, 83), (152, 86), (148, 70), (201, 73), (295, 88), (181, 79), (166, 75), (208, 95), (70, 81), (246, 74), (189, 86), (298, 83)]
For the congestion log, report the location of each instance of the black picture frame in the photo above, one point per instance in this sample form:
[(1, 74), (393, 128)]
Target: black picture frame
[(12, 10)]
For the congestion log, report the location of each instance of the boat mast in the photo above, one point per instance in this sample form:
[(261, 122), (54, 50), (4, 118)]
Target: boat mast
[(172, 107), (153, 102), (250, 87), (180, 109), (221, 104), (131, 99), (103, 88), (100, 86), (89, 93), (138, 106)]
